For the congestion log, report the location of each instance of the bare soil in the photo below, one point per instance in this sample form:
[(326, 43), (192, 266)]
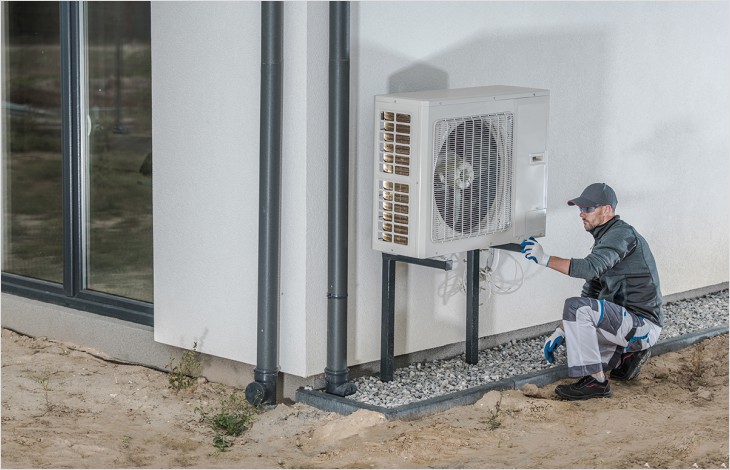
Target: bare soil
[(66, 408)]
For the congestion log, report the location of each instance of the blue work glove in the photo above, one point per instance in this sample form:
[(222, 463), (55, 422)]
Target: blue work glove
[(552, 343), (533, 251)]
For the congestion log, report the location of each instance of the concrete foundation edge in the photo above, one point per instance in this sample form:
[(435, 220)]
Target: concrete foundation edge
[(326, 402), (125, 341)]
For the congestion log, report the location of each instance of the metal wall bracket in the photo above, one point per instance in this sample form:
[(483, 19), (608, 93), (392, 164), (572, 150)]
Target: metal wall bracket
[(387, 341), (387, 337)]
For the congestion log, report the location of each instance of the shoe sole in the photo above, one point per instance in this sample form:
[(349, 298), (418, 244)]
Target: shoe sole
[(583, 397), (564, 396)]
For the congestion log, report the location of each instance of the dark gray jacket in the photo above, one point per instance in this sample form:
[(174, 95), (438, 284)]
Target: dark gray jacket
[(621, 269)]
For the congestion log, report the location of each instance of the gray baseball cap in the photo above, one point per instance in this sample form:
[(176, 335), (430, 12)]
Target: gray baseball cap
[(596, 194)]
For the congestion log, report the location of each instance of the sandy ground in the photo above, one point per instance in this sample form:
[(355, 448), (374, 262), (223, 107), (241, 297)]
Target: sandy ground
[(62, 407)]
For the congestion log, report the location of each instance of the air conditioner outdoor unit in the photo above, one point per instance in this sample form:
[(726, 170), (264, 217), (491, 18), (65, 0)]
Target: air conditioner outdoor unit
[(459, 170)]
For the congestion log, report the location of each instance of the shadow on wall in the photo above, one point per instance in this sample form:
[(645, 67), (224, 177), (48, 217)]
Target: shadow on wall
[(572, 65), (418, 77)]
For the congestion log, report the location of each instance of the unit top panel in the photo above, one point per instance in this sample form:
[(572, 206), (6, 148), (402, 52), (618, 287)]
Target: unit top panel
[(458, 95)]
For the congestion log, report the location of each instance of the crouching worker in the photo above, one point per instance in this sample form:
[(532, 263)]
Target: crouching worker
[(618, 316)]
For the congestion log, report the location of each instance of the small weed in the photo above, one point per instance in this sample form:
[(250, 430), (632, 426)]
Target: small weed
[(44, 380), (221, 443), (186, 373), (493, 419), (234, 416)]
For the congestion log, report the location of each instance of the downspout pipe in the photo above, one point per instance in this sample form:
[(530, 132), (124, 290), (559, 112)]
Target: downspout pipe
[(263, 389), (336, 372)]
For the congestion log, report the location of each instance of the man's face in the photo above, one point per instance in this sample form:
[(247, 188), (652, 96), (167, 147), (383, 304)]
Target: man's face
[(595, 216)]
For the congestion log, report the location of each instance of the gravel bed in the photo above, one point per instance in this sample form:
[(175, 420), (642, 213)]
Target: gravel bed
[(425, 380)]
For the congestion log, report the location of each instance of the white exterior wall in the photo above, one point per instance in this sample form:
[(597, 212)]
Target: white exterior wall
[(638, 99), (205, 101)]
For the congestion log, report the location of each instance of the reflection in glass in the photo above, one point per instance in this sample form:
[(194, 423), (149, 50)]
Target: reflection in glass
[(32, 160), (119, 191)]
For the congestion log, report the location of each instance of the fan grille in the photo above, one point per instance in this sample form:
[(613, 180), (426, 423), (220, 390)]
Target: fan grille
[(472, 180)]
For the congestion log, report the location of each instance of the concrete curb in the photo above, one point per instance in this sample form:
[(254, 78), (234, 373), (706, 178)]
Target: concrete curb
[(327, 402)]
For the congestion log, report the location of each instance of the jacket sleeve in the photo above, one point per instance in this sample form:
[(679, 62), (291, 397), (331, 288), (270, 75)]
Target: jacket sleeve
[(612, 248)]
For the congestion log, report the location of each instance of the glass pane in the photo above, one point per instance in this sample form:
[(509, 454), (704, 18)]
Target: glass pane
[(119, 147), (32, 161)]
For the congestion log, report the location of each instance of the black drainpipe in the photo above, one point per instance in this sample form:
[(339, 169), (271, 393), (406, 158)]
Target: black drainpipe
[(339, 149), (263, 390)]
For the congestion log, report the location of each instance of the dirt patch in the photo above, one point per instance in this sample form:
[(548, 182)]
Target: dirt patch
[(62, 407)]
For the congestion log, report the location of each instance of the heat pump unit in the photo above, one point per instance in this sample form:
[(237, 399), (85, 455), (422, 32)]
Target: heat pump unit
[(458, 170)]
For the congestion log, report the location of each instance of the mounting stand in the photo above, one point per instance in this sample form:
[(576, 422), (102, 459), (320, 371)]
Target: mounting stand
[(387, 338)]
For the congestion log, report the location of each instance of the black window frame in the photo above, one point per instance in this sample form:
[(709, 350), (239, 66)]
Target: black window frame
[(72, 292)]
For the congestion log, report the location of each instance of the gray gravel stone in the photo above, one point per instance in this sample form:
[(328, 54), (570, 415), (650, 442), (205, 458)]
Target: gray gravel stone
[(425, 380)]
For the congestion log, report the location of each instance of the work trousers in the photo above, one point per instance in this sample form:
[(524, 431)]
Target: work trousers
[(597, 332)]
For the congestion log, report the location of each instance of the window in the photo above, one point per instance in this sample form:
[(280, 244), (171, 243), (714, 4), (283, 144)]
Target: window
[(32, 210), (119, 150), (77, 155)]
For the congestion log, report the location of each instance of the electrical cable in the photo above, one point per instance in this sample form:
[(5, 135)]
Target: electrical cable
[(487, 280)]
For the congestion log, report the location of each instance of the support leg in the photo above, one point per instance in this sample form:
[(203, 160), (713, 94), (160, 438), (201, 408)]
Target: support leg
[(472, 307), (387, 336)]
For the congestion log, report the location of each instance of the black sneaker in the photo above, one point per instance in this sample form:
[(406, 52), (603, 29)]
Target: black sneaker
[(630, 365), (585, 388)]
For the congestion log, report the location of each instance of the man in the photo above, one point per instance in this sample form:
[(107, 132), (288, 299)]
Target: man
[(618, 315)]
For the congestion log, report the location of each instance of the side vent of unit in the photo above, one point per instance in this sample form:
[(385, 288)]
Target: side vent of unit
[(395, 143), (395, 164)]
